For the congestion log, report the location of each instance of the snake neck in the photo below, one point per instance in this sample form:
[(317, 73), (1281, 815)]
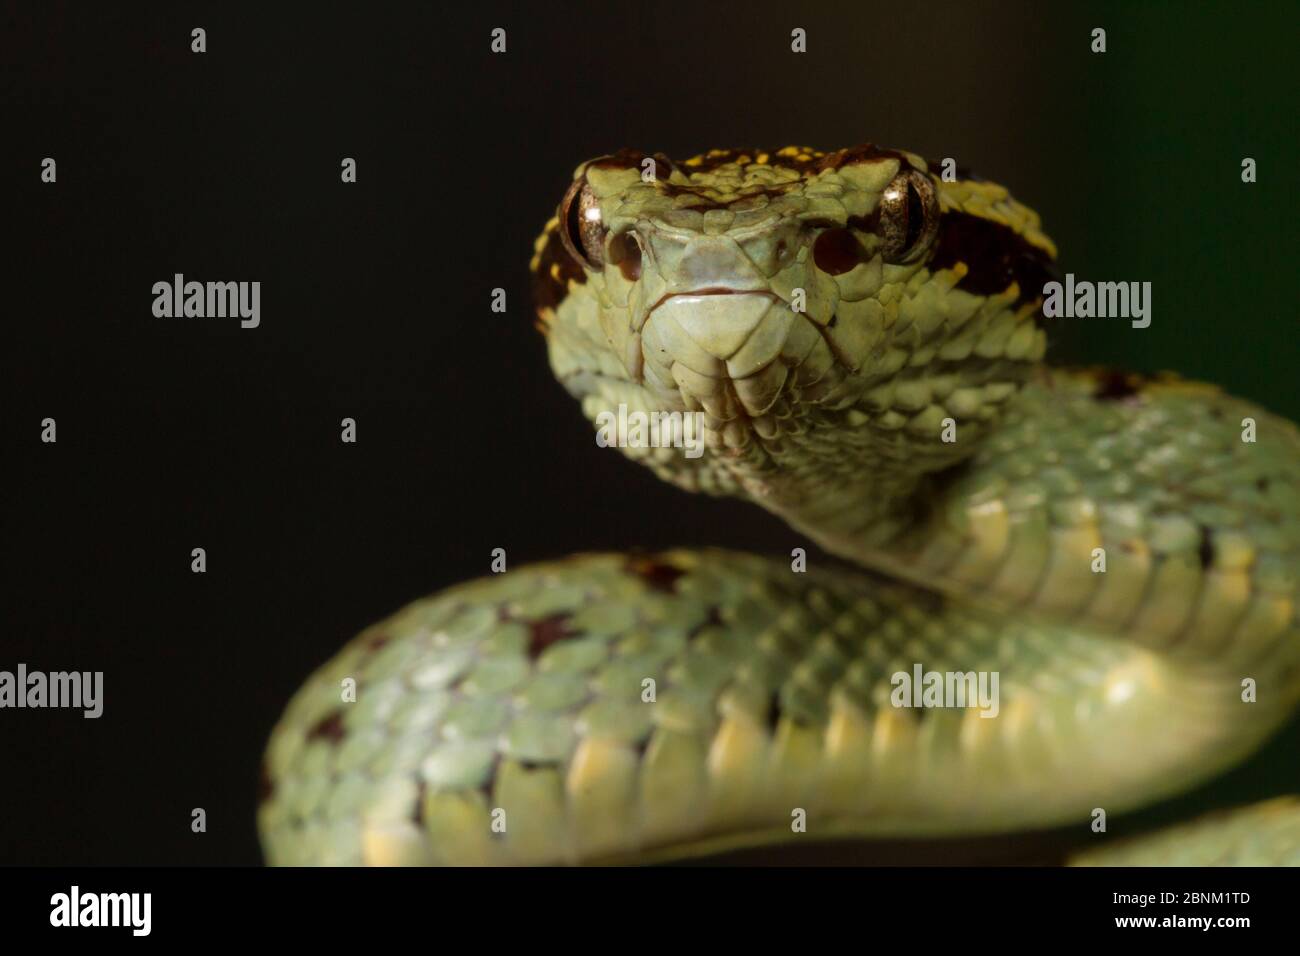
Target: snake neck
[(868, 493)]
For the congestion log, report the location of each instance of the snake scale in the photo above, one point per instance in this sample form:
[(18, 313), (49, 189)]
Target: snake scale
[(861, 339)]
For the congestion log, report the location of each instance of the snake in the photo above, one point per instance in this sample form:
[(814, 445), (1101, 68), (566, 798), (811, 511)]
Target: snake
[(1017, 597)]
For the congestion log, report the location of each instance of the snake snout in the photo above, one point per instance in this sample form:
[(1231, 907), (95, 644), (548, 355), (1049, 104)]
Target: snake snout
[(725, 350), (706, 262)]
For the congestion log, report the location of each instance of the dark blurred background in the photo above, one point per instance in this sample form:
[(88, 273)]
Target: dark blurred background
[(183, 433)]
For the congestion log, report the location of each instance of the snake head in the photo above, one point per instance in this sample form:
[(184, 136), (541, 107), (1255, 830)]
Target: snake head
[(791, 296)]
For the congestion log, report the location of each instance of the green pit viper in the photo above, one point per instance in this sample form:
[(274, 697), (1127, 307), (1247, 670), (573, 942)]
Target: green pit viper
[(862, 339)]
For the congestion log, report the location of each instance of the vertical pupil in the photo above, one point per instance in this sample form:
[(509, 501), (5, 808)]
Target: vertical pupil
[(573, 223), (915, 216)]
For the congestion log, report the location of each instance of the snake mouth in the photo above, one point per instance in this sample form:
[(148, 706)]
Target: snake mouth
[(710, 290), (727, 351)]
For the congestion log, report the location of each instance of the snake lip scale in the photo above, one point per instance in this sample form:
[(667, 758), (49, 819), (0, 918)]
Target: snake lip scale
[(1116, 557)]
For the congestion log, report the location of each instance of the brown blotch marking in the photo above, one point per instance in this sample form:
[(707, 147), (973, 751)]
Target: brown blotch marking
[(1205, 552), (627, 158), (864, 153), (807, 162), (658, 575), (664, 162), (716, 158), (869, 223), (804, 163), (555, 268), (545, 631), (1114, 386), (995, 256), (378, 641), (1261, 484), (329, 728)]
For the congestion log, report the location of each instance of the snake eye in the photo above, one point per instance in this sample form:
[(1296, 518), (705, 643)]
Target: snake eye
[(582, 232), (909, 217)]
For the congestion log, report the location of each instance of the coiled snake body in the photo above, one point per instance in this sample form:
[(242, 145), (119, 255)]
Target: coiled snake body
[(860, 339)]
